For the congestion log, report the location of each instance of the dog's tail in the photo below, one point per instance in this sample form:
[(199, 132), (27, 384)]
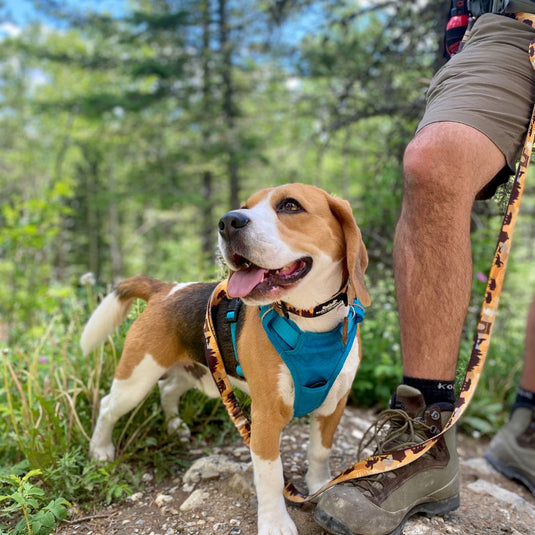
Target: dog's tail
[(113, 309)]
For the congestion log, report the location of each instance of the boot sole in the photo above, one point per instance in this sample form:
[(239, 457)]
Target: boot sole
[(429, 509), (509, 471)]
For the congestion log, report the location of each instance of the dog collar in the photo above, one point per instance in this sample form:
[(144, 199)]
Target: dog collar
[(335, 301), (314, 359)]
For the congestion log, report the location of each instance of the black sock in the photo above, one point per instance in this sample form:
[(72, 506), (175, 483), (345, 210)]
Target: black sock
[(524, 398), (433, 391)]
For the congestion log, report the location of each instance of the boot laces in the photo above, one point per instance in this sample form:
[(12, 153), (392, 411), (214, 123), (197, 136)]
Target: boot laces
[(394, 429)]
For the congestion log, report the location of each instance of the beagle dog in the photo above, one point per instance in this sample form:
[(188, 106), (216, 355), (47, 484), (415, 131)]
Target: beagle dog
[(292, 249)]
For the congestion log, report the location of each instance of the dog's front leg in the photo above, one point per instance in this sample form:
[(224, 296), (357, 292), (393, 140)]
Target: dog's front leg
[(318, 472), (273, 518), (322, 429)]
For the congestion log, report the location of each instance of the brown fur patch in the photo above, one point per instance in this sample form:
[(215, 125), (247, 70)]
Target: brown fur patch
[(196, 370), (170, 328)]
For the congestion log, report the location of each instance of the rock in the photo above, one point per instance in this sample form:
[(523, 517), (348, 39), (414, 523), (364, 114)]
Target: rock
[(505, 496), (361, 424), (242, 483), (242, 454), (163, 499), (479, 465), (212, 467), (195, 500), (147, 478), (188, 487)]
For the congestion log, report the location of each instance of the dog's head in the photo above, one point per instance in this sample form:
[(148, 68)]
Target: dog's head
[(294, 243)]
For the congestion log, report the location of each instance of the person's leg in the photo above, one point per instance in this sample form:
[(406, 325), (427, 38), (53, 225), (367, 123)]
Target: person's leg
[(445, 167), (512, 450), (527, 380)]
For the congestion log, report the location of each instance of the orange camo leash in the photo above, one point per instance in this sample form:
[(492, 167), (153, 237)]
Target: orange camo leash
[(386, 462)]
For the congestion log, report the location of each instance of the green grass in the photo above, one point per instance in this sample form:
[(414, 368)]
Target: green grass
[(49, 399)]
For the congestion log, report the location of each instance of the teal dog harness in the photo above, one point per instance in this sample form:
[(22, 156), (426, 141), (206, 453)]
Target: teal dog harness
[(314, 359)]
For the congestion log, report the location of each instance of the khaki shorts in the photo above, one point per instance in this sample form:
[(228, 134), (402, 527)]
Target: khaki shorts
[(489, 85)]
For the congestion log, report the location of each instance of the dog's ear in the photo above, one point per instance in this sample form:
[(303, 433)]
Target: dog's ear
[(356, 255)]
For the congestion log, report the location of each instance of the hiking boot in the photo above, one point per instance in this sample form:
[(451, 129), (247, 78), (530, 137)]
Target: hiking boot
[(381, 504), (512, 450)]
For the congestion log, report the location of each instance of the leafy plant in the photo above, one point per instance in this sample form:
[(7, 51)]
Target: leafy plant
[(380, 370), (38, 515)]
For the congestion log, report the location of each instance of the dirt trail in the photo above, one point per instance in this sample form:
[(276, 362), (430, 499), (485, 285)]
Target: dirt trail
[(224, 501)]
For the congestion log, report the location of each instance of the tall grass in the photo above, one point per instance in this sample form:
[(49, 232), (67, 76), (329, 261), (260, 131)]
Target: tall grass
[(49, 401)]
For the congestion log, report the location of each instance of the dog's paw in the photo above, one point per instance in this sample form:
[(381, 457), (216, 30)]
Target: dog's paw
[(102, 453), (283, 525), (177, 427), (315, 483)]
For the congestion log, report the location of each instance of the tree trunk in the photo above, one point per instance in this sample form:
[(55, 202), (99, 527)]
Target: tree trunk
[(114, 230), (208, 223), (90, 176), (229, 108)]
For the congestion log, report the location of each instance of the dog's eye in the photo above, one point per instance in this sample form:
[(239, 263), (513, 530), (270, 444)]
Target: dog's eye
[(289, 206)]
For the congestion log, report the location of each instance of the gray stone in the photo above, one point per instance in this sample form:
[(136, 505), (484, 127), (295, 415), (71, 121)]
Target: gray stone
[(195, 500), (242, 483), (479, 465), (212, 467), (505, 496)]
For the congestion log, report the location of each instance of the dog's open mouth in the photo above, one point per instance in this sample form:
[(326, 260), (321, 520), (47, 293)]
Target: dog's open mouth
[(252, 277)]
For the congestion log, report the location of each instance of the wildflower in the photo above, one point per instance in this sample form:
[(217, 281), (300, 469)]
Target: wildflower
[(88, 279)]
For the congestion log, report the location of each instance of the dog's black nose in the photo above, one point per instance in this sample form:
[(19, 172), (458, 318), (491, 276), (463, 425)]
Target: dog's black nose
[(231, 222)]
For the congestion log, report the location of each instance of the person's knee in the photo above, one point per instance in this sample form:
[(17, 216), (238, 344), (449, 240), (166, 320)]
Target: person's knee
[(450, 159), (425, 168)]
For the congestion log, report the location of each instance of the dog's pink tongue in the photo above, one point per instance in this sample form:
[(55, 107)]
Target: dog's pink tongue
[(241, 283)]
